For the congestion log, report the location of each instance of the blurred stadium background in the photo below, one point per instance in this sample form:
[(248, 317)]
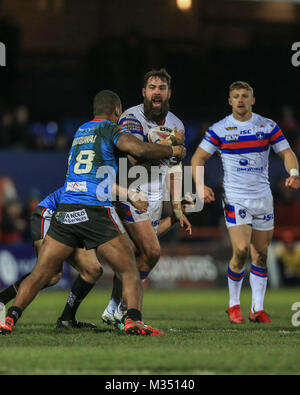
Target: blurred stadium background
[(59, 53)]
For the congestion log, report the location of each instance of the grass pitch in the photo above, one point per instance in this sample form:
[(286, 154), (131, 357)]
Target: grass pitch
[(199, 338)]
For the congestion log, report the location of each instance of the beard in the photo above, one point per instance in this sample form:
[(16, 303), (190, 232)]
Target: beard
[(156, 114)]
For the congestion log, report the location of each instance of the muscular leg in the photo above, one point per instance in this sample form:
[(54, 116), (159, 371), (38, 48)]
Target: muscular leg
[(10, 292), (259, 272), (259, 247), (147, 244), (147, 253), (120, 256), (50, 260), (240, 237), (90, 270)]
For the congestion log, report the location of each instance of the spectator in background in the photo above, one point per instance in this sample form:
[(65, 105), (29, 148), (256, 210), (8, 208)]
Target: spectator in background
[(12, 225), (288, 258), (8, 193), (14, 127)]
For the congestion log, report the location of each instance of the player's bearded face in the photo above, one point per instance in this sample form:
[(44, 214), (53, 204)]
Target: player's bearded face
[(156, 99)]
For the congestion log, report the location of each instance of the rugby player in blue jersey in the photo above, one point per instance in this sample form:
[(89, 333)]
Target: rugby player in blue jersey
[(84, 261), (86, 217)]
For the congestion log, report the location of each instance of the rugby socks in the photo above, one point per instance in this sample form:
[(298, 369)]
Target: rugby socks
[(112, 305), (143, 275), (134, 314), (11, 292), (117, 290), (15, 313), (79, 291), (116, 301), (258, 283), (235, 281)]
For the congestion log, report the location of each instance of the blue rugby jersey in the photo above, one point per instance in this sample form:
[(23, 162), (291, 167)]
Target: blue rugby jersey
[(52, 200), (92, 164)]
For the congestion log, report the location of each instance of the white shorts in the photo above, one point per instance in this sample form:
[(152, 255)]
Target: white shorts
[(258, 213), (129, 214)]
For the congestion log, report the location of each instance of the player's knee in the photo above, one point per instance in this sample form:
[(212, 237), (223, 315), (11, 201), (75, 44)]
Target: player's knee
[(241, 254), (92, 273), (152, 256), (54, 279), (261, 259)]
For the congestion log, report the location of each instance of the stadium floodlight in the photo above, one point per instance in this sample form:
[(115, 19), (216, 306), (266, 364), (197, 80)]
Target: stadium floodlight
[(184, 5)]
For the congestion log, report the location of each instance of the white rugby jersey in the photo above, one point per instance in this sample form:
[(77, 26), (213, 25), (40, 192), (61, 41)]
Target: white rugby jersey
[(244, 149), (136, 122)]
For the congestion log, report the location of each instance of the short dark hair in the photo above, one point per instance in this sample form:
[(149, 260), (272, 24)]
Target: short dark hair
[(105, 102), (161, 73)]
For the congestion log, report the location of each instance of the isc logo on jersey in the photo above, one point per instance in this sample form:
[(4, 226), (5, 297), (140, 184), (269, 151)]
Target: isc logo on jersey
[(268, 217)]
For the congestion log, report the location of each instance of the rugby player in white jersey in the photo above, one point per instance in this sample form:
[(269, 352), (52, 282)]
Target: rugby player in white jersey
[(142, 227), (243, 140)]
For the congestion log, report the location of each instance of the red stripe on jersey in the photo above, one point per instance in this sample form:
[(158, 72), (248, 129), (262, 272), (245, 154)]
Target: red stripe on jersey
[(245, 144), (276, 135), (215, 141)]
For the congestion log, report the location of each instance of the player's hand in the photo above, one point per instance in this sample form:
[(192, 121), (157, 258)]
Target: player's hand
[(292, 182), (139, 200), (185, 223), (179, 136), (209, 195), (179, 151)]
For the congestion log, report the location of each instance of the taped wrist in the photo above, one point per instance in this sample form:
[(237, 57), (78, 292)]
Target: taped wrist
[(294, 172), (177, 209), (133, 196)]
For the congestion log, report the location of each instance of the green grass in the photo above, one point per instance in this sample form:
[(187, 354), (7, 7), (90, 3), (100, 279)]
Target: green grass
[(199, 338)]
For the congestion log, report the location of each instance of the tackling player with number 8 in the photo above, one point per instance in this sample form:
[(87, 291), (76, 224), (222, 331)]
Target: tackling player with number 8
[(86, 217)]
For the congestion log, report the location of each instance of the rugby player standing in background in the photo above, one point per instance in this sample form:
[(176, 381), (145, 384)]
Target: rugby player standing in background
[(244, 140)]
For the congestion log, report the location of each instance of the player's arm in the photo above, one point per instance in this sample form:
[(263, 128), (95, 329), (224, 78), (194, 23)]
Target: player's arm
[(175, 175), (167, 223), (199, 158), (133, 146), (138, 199), (292, 167)]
